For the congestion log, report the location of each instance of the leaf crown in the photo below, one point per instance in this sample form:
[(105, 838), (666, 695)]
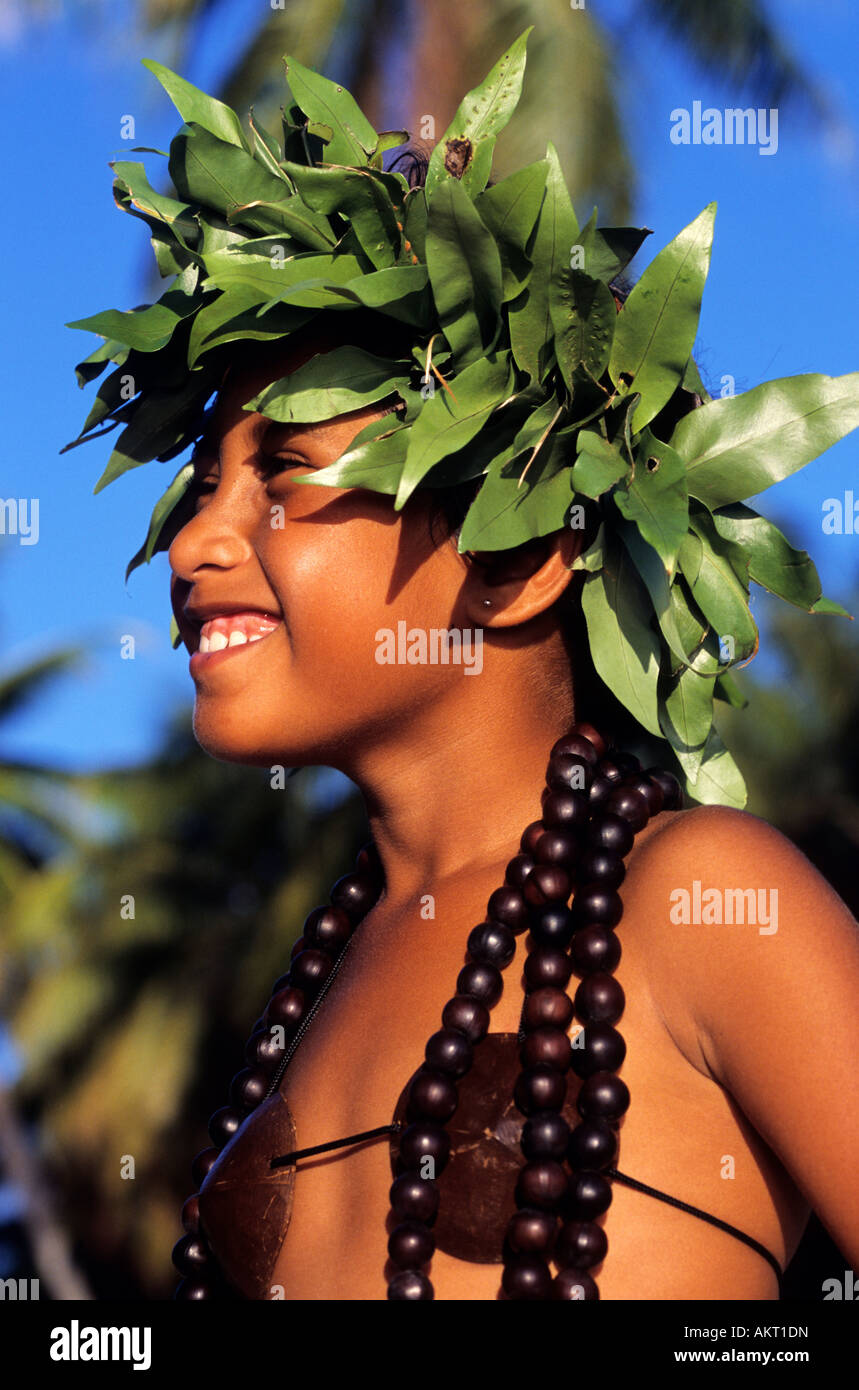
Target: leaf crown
[(524, 371)]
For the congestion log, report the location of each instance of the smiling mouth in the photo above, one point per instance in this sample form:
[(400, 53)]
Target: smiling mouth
[(235, 630)]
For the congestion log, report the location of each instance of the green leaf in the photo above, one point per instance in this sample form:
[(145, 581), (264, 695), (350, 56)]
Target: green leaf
[(657, 325), (130, 178), (303, 280), (445, 425), (146, 329), (464, 269), (593, 558), (480, 117), (716, 589), (400, 291), (692, 381), (727, 689), (770, 558), (93, 366), (388, 140), (686, 717), (197, 106), (599, 465), (360, 195), (715, 779), (583, 314), (510, 210), (206, 170), (374, 460), (290, 215), (504, 515), (828, 605), (169, 499), (682, 641), (415, 214), (654, 497), (608, 250), (233, 316), (329, 384), (737, 446), (624, 648), (529, 316), (160, 421), (353, 138)]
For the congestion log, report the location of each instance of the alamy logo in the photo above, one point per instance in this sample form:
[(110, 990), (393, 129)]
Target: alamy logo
[(718, 906), (733, 126), (17, 1289), (15, 522), (76, 1343), (419, 646)]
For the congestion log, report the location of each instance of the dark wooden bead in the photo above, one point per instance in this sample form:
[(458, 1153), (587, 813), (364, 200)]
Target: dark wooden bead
[(552, 926), (565, 811), (518, 870), (328, 929), (264, 1050), (201, 1164), (592, 735), (411, 1286), (507, 905), (566, 772), (594, 949), (311, 969), (556, 846), (604, 1050), (599, 866), (575, 1283), (532, 1232), (594, 904), (527, 1277), (599, 999), (600, 791), (423, 1140), (297, 947), (540, 1088), (190, 1255), (547, 967), (194, 1290), (607, 767), (630, 805), (223, 1125), (581, 1245), (603, 1097), (530, 836), (414, 1198), (493, 943), (367, 861), (482, 981), (286, 1008), (191, 1215), (612, 833), (578, 746), (671, 790), (247, 1089), (355, 894), (432, 1096), (547, 884), (588, 1196), (411, 1244), (549, 1047), (468, 1015), (627, 762), (592, 1145), (542, 1183), (548, 1008), (546, 1135), (651, 791), (449, 1051)]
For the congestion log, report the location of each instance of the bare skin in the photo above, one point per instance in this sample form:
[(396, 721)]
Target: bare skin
[(739, 1044)]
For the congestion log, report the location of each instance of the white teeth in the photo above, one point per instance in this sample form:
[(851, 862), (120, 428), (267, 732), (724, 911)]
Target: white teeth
[(257, 636), (204, 644), (237, 638), (217, 641)]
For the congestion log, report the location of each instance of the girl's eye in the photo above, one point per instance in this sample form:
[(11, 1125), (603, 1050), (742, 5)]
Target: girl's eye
[(278, 463)]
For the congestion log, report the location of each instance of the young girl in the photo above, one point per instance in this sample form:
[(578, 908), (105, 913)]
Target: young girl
[(468, 1084)]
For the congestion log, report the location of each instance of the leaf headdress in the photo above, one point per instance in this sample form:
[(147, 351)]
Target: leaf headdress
[(523, 370)]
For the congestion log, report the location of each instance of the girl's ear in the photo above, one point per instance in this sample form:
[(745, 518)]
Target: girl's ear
[(507, 587)]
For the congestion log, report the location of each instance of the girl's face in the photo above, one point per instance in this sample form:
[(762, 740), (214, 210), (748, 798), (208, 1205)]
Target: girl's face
[(291, 583)]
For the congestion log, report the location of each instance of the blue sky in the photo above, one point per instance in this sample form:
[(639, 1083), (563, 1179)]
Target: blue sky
[(781, 300)]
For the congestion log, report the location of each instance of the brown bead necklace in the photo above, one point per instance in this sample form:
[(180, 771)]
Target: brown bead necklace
[(594, 803)]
